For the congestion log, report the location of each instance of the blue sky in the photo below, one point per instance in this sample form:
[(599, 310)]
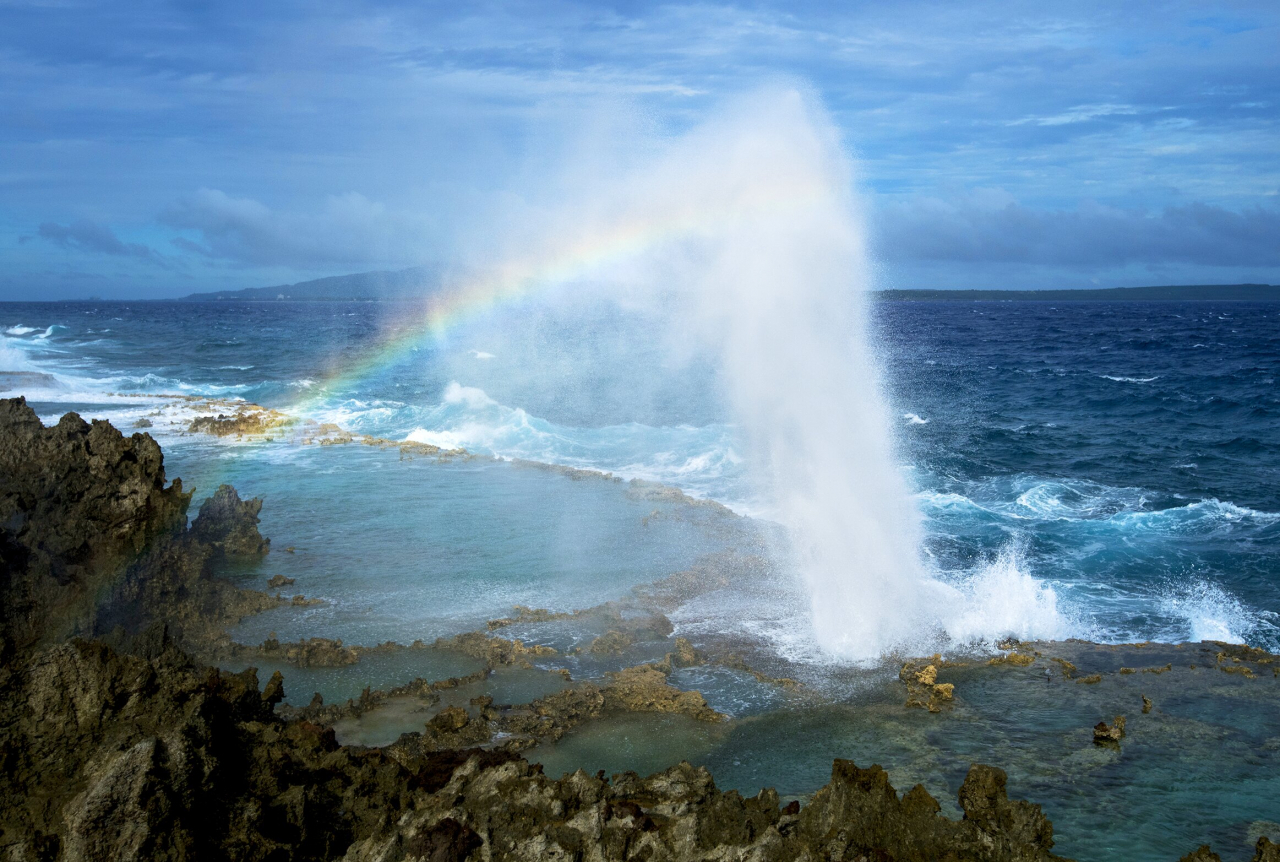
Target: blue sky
[(156, 149)]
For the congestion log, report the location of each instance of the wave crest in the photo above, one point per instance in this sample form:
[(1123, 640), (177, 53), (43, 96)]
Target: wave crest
[(699, 460)]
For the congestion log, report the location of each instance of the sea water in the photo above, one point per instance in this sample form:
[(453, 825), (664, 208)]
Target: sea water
[(1124, 455), (1122, 458)]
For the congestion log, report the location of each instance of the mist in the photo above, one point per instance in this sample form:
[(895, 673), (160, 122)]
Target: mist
[(720, 278)]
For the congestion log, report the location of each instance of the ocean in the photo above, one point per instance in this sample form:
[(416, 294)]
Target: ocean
[(1102, 471)]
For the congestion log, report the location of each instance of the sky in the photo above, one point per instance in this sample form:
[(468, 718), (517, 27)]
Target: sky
[(152, 149)]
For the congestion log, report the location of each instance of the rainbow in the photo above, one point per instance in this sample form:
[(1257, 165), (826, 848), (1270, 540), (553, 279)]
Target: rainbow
[(519, 278)]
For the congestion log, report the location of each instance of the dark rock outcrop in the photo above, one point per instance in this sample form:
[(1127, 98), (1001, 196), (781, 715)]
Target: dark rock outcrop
[(92, 538), (79, 503), (143, 755), (138, 753), (1104, 733), (229, 525), (681, 814)]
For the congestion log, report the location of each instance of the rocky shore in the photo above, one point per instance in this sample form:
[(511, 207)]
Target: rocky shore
[(117, 742)]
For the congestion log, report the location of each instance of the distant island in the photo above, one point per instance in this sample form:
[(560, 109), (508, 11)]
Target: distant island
[(412, 283), (1170, 292), (419, 281)]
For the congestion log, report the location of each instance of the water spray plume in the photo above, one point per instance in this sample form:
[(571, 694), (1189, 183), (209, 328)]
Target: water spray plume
[(744, 237), (785, 293)]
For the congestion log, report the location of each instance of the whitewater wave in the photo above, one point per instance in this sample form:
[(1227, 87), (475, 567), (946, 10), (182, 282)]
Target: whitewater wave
[(14, 358), (1131, 510), (913, 419), (1130, 379), (1208, 612), (960, 612), (999, 600), (20, 330), (702, 461)]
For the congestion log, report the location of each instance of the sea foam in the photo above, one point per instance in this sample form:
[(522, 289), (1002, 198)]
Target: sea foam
[(1209, 612), (700, 460)]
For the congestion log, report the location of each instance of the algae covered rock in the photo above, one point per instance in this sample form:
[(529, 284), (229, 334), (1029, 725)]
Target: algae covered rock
[(645, 689), (1104, 733), (923, 688)]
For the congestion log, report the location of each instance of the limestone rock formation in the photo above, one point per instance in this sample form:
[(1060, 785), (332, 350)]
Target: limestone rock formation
[(923, 688), (1104, 733), (680, 814)]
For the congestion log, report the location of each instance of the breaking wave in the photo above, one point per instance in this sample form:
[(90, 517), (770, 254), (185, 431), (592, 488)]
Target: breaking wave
[(1207, 612), (1130, 379), (701, 460)]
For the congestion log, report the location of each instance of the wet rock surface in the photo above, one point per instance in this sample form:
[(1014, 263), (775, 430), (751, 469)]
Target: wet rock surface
[(923, 688), (246, 420)]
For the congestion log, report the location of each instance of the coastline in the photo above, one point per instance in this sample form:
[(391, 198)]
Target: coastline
[(100, 678)]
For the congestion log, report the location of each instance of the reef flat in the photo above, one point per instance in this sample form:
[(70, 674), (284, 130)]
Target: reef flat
[(120, 740)]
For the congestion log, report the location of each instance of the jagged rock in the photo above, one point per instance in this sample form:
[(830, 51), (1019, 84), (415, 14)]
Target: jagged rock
[(313, 652), (77, 503), (680, 814), (229, 525), (859, 815), (249, 419), (111, 756), (495, 651), (1104, 733), (645, 689), (610, 643), (449, 719), (275, 582), (685, 655), (1266, 850), (1201, 854), (923, 688), (551, 716), (92, 538)]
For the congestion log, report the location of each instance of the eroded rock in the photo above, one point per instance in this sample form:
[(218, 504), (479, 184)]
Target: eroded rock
[(229, 525), (1104, 733), (923, 688)]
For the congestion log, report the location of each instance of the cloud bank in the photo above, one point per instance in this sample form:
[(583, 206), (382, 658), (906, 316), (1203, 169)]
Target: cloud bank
[(247, 146), (987, 229)]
